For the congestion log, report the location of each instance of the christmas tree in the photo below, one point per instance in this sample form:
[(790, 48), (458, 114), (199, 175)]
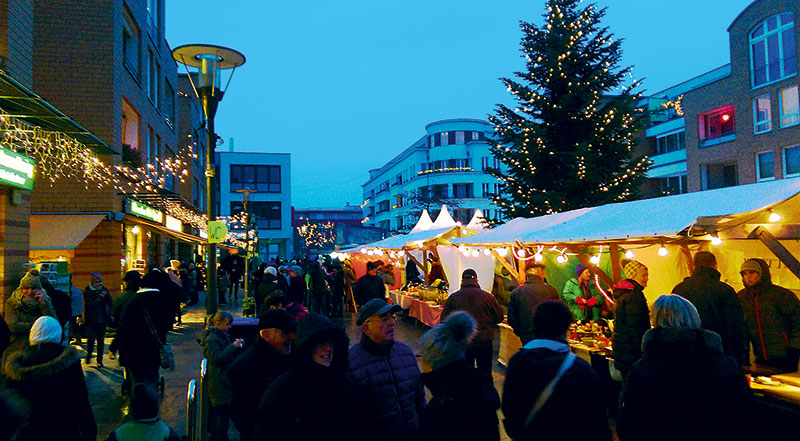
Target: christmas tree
[(568, 143)]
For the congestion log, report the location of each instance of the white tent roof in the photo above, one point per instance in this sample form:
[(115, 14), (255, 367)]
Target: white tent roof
[(443, 220), (476, 223), (397, 242), (424, 223), (657, 217)]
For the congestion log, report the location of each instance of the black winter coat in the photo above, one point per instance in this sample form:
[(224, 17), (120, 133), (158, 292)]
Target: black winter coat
[(574, 411), (97, 304), (685, 379), (481, 305), (249, 377), (631, 321), (719, 309), (297, 290), (309, 401), (523, 304), (218, 348), (463, 406), (49, 377), (138, 349), (367, 288), (267, 288)]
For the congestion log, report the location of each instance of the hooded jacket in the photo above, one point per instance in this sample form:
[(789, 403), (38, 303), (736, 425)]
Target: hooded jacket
[(21, 312), (772, 316), (703, 391), (49, 377), (523, 304), (386, 377), (218, 348), (309, 401), (481, 305), (463, 406), (631, 321), (719, 309)]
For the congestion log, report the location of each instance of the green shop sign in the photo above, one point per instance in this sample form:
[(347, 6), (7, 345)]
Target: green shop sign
[(16, 170), (146, 212)]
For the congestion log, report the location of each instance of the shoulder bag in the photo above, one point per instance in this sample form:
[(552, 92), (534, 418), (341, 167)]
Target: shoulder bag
[(548, 390), (164, 349)]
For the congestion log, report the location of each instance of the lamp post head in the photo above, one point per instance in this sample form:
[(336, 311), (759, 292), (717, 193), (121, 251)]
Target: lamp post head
[(209, 60)]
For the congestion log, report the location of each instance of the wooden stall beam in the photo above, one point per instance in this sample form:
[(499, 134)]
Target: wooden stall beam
[(777, 248), (689, 258), (413, 259), (505, 264)]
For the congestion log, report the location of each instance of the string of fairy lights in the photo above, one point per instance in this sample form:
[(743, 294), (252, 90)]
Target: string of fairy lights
[(317, 234)]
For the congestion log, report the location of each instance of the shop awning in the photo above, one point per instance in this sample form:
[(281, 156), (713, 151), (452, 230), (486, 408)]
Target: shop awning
[(59, 234), (184, 237), (20, 102)]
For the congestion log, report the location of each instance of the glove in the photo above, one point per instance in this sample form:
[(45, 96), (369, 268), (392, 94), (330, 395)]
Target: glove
[(592, 301), (580, 301)]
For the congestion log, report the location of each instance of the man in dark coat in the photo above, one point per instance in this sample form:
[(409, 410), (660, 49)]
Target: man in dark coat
[(533, 367), (234, 265), (267, 289), (97, 304), (385, 375), (254, 370), (297, 285), (631, 316), (717, 304), (49, 377), (369, 286), (772, 315), (525, 300), (483, 307)]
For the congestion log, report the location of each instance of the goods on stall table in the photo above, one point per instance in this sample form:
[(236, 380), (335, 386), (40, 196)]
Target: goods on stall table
[(590, 334)]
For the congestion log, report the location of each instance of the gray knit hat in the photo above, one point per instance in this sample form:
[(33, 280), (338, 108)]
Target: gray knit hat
[(31, 280), (751, 265), (447, 342), (45, 329)]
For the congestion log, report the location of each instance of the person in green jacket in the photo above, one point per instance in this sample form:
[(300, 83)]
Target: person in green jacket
[(581, 296)]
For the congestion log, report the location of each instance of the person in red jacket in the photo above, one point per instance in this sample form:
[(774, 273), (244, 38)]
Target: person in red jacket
[(483, 307)]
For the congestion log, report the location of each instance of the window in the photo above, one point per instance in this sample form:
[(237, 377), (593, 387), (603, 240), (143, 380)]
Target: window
[(460, 137), (462, 191), (463, 215), (485, 190), (146, 144), (442, 138), (398, 221), (773, 55), (762, 115), (169, 104), (671, 143), (790, 107), (261, 178), (156, 152), (484, 163), (398, 201), (383, 206), (152, 15), (264, 215), (440, 191), (497, 163), (673, 184), (130, 44), (720, 175), (791, 161), (478, 136), (765, 166), (398, 180), (196, 192), (717, 123), (130, 134), (145, 78)]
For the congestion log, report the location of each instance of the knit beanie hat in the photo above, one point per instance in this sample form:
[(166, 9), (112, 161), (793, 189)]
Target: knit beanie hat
[(751, 265), (271, 270), (447, 342), (580, 269), (31, 280), (45, 329), (144, 402), (631, 267)]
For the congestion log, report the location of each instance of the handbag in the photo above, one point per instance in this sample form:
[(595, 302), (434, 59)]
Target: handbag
[(548, 390), (166, 357)]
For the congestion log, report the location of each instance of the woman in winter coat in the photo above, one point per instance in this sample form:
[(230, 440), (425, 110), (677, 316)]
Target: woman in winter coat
[(220, 350), (580, 296), (310, 401), (631, 316), (684, 374), (26, 304), (267, 289), (465, 402), (97, 305), (49, 377)]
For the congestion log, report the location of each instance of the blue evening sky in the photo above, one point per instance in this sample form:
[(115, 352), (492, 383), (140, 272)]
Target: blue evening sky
[(346, 85)]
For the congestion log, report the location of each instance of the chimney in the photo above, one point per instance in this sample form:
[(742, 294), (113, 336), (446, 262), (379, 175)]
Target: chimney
[(230, 144)]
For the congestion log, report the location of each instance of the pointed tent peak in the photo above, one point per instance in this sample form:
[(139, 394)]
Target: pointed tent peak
[(444, 220), (424, 223), (477, 223)]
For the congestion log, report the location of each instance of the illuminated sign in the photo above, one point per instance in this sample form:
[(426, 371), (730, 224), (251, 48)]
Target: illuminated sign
[(16, 170), (174, 224), (146, 212)]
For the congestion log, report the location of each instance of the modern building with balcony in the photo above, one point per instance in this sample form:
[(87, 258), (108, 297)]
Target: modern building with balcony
[(740, 123), (445, 166)]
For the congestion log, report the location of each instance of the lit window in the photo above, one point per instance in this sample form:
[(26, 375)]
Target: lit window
[(459, 137), (772, 50), (671, 143), (762, 115), (443, 138), (791, 161), (765, 166), (717, 123), (790, 107)]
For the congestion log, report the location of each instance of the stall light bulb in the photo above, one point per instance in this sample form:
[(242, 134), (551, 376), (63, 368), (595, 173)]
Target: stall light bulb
[(561, 259), (774, 217), (716, 241), (334, 255), (629, 254), (465, 252), (461, 249), (475, 253), (135, 229), (502, 252), (538, 257), (487, 252), (363, 251), (594, 260), (401, 253), (662, 251), (391, 254), (370, 252), (521, 253)]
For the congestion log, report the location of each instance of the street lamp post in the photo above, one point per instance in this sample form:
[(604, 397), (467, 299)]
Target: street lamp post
[(209, 60), (246, 195)]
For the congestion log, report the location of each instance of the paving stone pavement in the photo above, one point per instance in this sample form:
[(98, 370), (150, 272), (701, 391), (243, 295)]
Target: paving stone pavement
[(111, 408)]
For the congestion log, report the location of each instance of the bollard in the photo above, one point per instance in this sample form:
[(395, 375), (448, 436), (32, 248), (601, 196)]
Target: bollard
[(191, 411), (203, 403)]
